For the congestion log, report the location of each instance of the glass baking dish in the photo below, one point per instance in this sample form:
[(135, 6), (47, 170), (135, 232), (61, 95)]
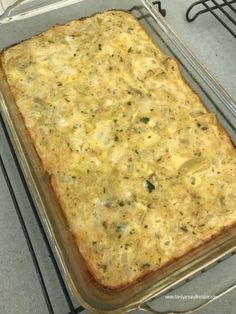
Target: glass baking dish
[(29, 18)]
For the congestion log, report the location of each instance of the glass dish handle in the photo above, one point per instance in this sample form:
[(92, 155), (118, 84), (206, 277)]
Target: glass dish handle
[(147, 308), (22, 7), (8, 12), (11, 8)]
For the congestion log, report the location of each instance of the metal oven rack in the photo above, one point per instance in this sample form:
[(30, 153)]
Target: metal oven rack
[(223, 10)]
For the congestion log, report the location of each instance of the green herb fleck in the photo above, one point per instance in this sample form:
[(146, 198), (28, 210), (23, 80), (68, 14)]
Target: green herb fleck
[(118, 228), (104, 223), (144, 120), (103, 267), (127, 245), (184, 229), (150, 186)]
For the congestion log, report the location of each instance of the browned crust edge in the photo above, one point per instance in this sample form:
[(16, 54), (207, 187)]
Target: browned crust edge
[(90, 271)]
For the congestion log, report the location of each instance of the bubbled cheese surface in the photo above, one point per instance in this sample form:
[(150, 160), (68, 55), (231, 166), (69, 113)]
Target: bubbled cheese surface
[(142, 171)]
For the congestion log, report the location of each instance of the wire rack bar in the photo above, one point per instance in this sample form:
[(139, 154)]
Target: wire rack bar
[(73, 310), (217, 7), (190, 19), (221, 8), (230, 5), (27, 237), (162, 11)]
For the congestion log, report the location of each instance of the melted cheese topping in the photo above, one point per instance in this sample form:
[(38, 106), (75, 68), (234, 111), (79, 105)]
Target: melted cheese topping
[(142, 171)]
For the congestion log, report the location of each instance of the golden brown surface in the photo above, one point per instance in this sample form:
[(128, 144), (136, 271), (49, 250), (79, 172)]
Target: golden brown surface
[(142, 171)]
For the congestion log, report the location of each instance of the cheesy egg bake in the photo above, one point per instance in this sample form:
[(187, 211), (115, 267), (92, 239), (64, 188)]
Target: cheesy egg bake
[(142, 171)]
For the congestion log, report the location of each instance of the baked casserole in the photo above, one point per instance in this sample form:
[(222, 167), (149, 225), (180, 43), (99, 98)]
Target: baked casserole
[(142, 171)]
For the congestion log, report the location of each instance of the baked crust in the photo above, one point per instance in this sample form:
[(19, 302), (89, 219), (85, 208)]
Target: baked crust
[(142, 172)]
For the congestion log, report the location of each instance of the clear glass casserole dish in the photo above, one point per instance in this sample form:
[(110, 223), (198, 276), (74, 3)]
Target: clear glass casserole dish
[(33, 17)]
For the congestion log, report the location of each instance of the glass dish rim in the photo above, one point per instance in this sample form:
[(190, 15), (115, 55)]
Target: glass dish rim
[(211, 82)]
